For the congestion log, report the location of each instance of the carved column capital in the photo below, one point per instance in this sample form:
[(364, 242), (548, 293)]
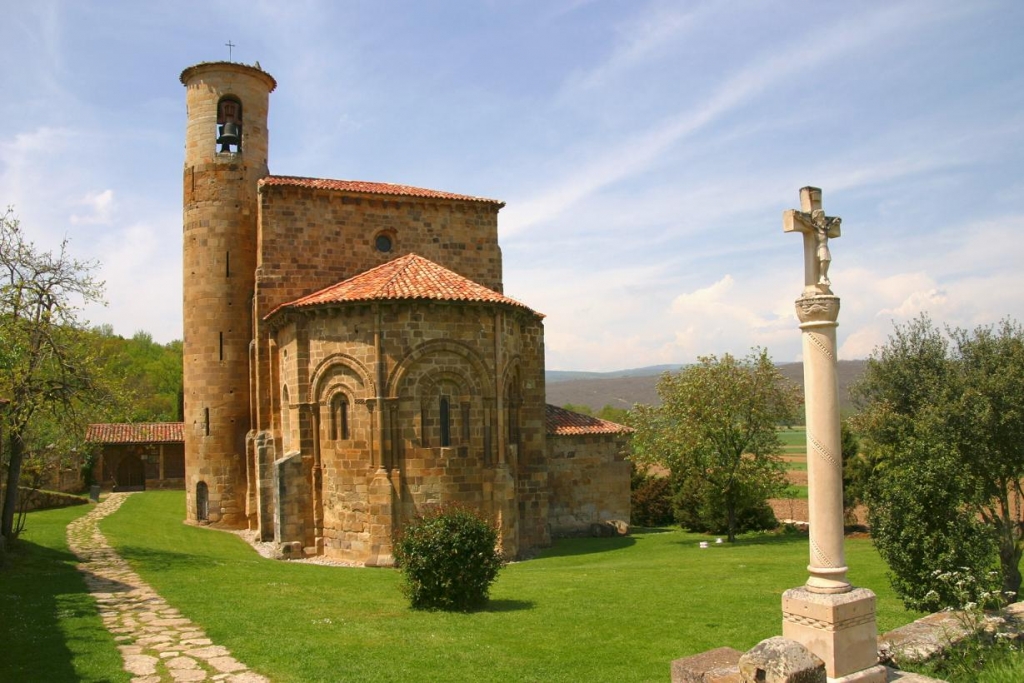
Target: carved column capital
[(814, 311)]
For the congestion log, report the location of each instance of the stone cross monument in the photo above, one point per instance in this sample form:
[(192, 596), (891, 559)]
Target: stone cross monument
[(827, 615)]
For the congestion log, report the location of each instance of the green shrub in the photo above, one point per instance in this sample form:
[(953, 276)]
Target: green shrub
[(920, 526), (449, 559), (701, 508), (650, 499)]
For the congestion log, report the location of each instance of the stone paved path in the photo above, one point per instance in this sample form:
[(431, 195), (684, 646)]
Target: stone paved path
[(156, 642)]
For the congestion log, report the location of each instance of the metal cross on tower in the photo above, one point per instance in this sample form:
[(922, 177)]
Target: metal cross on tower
[(229, 45)]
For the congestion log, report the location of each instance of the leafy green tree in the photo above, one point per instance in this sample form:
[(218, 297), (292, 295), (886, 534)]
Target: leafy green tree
[(942, 426), (856, 469), (716, 431), (613, 414), (47, 366), (150, 374), (579, 408)]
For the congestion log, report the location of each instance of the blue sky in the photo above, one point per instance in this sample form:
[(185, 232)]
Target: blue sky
[(646, 150)]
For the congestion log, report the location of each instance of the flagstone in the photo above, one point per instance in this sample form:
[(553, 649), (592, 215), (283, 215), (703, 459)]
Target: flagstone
[(147, 629)]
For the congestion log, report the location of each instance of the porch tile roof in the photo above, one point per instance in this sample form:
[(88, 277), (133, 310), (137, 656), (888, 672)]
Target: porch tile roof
[(562, 422), (139, 432)]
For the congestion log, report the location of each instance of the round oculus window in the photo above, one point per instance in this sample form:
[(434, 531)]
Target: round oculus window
[(383, 243)]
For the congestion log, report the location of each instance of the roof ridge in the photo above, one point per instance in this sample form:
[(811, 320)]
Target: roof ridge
[(372, 187), (409, 259)]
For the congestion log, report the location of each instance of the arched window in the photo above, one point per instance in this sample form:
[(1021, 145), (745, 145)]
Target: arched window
[(339, 417), (446, 421), (229, 125)]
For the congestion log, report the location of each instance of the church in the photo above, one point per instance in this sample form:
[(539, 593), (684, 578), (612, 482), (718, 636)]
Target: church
[(350, 360)]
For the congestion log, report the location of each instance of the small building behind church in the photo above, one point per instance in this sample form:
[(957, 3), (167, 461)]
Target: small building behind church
[(139, 456)]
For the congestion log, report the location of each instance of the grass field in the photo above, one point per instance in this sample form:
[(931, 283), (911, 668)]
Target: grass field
[(794, 453), (49, 625), (586, 609), (794, 438), (795, 491)]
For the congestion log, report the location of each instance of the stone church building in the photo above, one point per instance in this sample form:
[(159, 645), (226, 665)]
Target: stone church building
[(351, 361)]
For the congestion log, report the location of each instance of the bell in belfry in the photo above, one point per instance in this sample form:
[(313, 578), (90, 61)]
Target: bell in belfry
[(229, 125)]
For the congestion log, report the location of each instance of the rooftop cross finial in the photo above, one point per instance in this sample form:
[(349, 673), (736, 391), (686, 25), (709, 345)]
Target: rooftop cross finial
[(229, 45)]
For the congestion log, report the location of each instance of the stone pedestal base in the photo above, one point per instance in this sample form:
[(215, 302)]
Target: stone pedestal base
[(839, 628)]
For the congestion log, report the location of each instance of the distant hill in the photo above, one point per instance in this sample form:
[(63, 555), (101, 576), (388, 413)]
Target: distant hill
[(624, 388), (567, 375)]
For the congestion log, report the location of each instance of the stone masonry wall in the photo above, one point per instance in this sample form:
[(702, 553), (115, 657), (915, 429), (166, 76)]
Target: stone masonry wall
[(589, 481), (392, 465)]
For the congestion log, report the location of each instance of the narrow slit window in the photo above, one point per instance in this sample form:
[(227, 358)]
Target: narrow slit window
[(339, 418), (343, 418), (222, 346), (206, 420), (446, 426), (423, 427), (227, 264)]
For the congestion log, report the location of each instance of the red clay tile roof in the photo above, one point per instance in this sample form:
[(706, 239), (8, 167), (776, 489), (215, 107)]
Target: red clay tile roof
[(365, 187), (142, 432), (562, 422), (408, 277)]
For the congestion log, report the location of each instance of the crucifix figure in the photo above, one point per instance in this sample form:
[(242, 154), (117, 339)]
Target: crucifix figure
[(817, 228)]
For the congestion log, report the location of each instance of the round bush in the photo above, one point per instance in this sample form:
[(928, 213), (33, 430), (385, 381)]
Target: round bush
[(449, 559), (651, 500)]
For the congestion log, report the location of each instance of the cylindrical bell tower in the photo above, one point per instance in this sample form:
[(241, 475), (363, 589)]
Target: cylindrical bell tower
[(225, 156)]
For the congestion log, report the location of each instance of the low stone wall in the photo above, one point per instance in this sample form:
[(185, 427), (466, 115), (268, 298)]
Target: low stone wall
[(38, 499), (925, 638), (916, 642)]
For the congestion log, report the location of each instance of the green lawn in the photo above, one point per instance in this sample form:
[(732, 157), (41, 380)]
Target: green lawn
[(586, 609), (49, 625)]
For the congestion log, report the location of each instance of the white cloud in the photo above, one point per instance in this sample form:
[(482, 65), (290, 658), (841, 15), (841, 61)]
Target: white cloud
[(918, 302), (101, 205), (141, 267)]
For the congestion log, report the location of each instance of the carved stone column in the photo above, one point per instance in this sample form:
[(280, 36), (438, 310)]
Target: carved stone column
[(827, 615), (827, 568)]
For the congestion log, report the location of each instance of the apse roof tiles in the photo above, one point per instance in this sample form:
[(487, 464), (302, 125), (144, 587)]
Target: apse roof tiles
[(365, 187), (562, 422), (409, 277), (140, 432)]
